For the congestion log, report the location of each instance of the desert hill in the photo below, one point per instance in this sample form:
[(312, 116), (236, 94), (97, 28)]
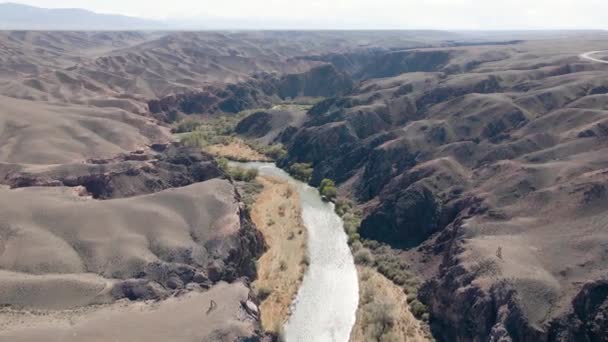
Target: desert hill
[(15, 16)]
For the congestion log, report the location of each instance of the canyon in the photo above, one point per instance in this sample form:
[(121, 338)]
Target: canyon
[(480, 163)]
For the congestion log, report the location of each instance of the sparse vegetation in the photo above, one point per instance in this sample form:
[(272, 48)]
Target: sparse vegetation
[(274, 151), (282, 209), (283, 265), (485, 268), (385, 261), (241, 174), (364, 257), (222, 163), (209, 131), (352, 217), (395, 267), (417, 308), (383, 313), (289, 192), (249, 192), (220, 131), (379, 319), (300, 103), (236, 149), (186, 125)]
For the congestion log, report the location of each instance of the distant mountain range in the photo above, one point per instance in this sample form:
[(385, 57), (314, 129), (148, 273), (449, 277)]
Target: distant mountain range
[(23, 17), (14, 16)]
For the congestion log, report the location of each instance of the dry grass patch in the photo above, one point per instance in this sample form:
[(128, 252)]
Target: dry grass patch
[(384, 314), (277, 214), (237, 150)]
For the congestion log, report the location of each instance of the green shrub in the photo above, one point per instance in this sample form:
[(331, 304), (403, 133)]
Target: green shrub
[(363, 257), (355, 246), (328, 190), (343, 206), (305, 260), (194, 139), (289, 192), (249, 191), (187, 125), (379, 319), (352, 238), (243, 175), (301, 171), (223, 163), (276, 151), (262, 293), (418, 309), (205, 132), (351, 216), (251, 174)]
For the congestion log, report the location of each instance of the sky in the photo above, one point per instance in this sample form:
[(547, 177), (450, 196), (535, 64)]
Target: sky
[(366, 14)]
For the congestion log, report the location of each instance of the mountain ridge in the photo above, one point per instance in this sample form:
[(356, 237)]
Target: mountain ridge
[(15, 16)]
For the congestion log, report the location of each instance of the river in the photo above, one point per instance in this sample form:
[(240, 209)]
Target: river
[(326, 304)]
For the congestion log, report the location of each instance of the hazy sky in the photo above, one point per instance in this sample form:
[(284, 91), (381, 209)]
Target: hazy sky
[(438, 14)]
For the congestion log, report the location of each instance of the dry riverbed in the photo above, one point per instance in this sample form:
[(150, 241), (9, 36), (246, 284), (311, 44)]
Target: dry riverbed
[(277, 214)]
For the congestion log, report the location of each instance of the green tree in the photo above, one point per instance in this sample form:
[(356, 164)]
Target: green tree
[(328, 189), (301, 171)]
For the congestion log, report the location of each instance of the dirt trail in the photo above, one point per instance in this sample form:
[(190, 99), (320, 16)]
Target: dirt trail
[(589, 56)]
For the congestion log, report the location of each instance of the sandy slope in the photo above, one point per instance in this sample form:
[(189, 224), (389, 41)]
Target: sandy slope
[(40, 133), (52, 231), (186, 318)]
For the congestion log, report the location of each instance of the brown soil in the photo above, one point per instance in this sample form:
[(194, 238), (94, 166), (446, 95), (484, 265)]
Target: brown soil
[(277, 214)]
